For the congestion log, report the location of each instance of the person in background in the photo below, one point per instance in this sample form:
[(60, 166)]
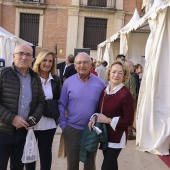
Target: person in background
[(21, 99), (131, 85), (80, 105), (117, 106), (93, 67), (98, 63), (94, 62), (121, 58), (46, 127), (70, 70), (138, 70), (62, 66), (101, 71)]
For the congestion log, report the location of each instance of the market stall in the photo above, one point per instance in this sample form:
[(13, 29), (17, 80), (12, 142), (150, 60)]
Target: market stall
[(8, 42)]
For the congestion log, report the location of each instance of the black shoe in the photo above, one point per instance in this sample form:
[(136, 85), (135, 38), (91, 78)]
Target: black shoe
[(130, 137)]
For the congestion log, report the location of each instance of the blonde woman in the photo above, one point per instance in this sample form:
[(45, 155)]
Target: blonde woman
[(45, 66), (117, 112)]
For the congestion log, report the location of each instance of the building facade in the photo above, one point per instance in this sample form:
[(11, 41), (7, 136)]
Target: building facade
[(61, 26)]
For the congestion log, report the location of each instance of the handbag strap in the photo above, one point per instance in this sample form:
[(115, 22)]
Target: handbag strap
[(101, 110)]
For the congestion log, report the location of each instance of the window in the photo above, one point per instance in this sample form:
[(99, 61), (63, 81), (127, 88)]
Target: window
[(29, 27), (100, 3), (94, 32)]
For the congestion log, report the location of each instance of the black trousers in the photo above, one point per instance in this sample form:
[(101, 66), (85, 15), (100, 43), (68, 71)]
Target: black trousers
[(45, 140), (11, 146), (110, 159)]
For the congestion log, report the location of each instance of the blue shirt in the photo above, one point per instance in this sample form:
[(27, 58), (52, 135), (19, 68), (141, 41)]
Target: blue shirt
[(25, 95)]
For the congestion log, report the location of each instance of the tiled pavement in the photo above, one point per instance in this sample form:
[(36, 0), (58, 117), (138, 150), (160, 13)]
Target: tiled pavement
[(129, 158)]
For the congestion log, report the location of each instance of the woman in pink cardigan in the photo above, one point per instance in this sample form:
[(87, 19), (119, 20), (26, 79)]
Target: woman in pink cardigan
[(117, 112)]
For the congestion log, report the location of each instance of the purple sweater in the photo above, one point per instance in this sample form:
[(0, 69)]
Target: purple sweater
[(81, 99)]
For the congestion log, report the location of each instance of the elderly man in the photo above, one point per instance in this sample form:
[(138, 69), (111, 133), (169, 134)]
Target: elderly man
[(80, 98), (131, 85), (21, 98)]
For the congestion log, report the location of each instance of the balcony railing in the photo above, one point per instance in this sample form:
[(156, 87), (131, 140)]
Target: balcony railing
[(30, 3), (31, 0), (98, 3)]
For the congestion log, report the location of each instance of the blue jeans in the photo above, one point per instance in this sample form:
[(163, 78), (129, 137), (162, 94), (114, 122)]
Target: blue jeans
[(45, 140), (11, 146)]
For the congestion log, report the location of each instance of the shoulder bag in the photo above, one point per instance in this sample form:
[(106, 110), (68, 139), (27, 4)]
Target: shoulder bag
[(51, 109)]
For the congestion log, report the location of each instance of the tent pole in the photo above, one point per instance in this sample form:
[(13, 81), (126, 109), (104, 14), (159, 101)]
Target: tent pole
[(115, 4)]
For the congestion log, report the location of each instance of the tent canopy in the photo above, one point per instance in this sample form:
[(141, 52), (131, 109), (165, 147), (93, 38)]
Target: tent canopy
[(119, 42), (8, 42), (153, 111)]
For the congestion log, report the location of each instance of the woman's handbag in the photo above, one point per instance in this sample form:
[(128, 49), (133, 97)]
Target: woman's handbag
[(30, 153), (51, 109)]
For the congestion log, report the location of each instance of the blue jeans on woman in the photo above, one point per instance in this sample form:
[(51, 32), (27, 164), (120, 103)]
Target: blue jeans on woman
[(45, 140)]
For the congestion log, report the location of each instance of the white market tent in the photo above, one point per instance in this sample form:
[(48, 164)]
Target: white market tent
[(153, 110), (8, 42), (109, 49), (130, 41)]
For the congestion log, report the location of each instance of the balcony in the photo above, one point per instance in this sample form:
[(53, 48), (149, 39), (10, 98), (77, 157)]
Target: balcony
[(98, 3), (29, 3)]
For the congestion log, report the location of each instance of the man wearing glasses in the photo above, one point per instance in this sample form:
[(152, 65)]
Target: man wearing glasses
[(21, 99), (80, 97)]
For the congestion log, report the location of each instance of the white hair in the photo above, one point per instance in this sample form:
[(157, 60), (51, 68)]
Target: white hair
[(85, 54), (129, 63), (26, 45)]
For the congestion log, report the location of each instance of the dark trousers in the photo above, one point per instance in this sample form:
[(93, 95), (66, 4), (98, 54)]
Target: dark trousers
[(71, 141), (11, 146), (45, 140), (110, 159)]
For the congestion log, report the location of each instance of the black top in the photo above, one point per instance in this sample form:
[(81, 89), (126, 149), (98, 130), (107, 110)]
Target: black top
[(70, 70), (61, 67), (137, 83)]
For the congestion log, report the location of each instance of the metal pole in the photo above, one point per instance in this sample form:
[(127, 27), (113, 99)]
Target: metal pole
[(55, 52), (115, 4)]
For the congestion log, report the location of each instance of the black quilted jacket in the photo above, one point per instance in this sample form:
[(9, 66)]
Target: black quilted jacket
[(9, 98)]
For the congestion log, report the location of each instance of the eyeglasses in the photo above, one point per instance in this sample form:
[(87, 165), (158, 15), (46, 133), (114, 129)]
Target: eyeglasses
[(22, 54), (82, 62)]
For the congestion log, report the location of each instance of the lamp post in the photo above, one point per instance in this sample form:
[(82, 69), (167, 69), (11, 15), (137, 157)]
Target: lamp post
[(55, 49)]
